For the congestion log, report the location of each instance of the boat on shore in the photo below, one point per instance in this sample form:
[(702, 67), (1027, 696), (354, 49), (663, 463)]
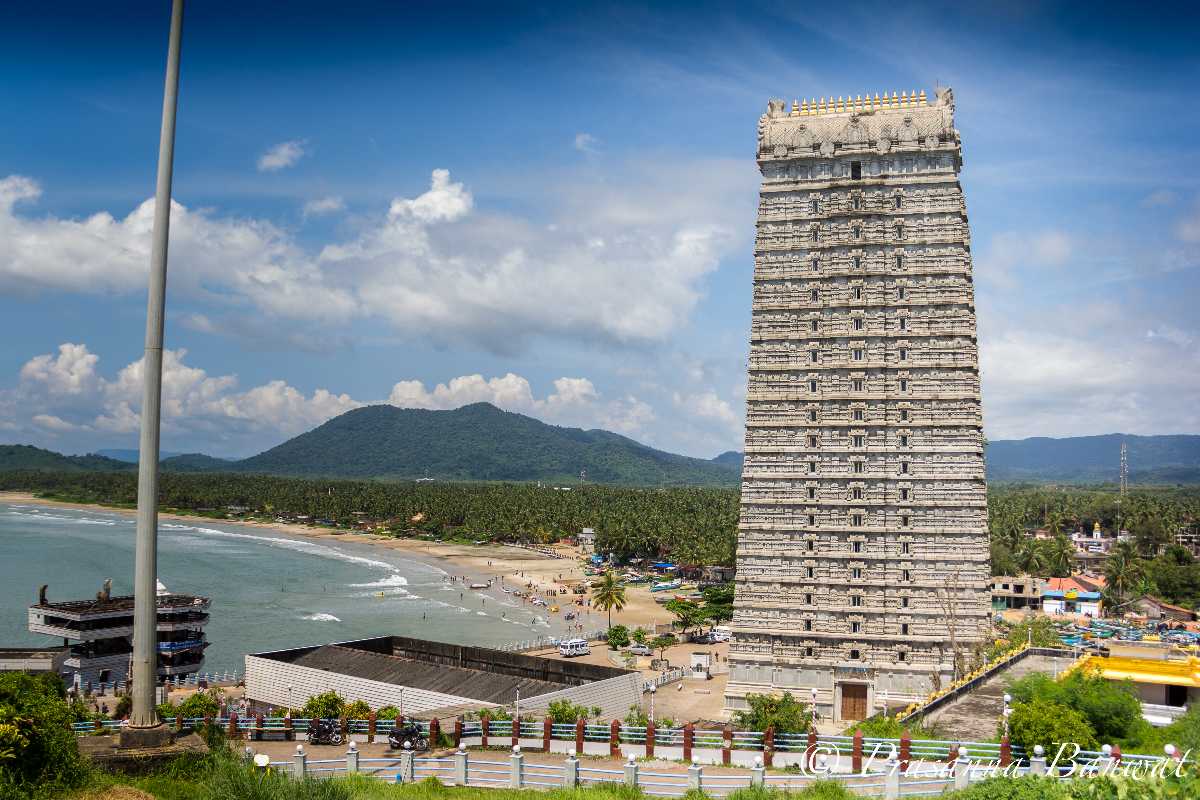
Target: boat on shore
[(480, 586), (666, 586)]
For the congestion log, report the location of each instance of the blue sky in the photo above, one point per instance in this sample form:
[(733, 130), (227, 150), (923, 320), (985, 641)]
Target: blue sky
[(551, 207)]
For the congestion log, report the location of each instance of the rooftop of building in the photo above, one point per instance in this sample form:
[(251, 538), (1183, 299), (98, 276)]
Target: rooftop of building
[(487, 687), (1075, 583), (31, 652), (101, 605), (1174, 672), (819, 127)]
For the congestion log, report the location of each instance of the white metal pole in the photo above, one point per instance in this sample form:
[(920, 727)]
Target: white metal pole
[(145, 609)]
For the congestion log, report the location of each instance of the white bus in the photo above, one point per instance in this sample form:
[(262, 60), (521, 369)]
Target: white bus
[(573, 647)]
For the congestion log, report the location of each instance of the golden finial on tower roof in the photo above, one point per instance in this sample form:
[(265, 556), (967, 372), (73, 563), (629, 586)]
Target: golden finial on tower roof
[(795, 109), (858, 102), (876, 103), (895, 100), (804, 108), (924, 102), (903, 98)]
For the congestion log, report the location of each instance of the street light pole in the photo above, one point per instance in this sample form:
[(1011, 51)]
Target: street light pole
[(653, 691), (145, 608)]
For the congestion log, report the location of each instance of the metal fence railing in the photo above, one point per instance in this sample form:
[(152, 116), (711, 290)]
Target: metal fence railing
[(888, 778)]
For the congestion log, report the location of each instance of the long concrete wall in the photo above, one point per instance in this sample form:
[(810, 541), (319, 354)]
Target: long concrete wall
[(614, 696)]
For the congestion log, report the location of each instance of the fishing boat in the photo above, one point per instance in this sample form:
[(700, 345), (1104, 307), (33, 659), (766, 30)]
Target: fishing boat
[(666, 586), (380, 594), (479, 586)]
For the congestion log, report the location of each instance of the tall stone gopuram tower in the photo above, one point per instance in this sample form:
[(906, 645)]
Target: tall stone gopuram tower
[(862, 561)]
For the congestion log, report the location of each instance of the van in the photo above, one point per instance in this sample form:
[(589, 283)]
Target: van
[(573, 647), (722, 633)]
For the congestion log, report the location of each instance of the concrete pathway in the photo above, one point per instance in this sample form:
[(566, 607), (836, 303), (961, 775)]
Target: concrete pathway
[(976, 716)]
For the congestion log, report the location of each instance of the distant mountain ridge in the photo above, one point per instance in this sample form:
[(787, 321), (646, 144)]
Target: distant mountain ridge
[(1173, 458), (1152, 459), (483, 443), (129, 455)]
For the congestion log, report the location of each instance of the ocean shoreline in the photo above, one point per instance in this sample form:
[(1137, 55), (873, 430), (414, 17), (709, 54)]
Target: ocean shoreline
[(515, 564)]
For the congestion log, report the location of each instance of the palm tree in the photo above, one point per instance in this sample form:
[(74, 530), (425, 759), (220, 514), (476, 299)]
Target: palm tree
[(1123, 573), (1031, 558), (1060, 556), (609, 594)]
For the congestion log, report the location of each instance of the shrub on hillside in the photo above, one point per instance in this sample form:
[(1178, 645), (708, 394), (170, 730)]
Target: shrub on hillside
[(783, 712), (1005, 788), (1049, 724), (38, 751), (1111, 709)]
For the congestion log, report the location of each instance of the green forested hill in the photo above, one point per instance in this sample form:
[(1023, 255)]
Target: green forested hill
[(23, 456), (476, 442), (196, 462)]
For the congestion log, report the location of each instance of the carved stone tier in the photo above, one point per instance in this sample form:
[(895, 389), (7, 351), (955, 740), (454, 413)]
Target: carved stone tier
[(862, 542)]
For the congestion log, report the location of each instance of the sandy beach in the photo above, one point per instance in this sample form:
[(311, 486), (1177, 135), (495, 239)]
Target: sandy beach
[(516, 565)]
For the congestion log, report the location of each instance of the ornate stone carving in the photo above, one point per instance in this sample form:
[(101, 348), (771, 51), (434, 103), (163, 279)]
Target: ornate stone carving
[(863, 410)]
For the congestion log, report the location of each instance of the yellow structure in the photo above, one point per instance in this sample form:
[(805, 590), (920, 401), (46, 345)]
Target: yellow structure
[(1171, 682)]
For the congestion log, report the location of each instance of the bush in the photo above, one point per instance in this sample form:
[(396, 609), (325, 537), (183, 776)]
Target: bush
[(201, 704), (564, 712), (328, 705), (1112, 710), (618, 637), (1049, 724), (357, 710), (783, 712), (1005, 788), (882, 727), (37, 747)]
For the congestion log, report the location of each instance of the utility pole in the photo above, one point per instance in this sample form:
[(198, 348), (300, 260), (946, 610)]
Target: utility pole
[(1124, 483), (144, 727)]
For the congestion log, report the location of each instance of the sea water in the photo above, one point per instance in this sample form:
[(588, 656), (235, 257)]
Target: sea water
[(269, 590)]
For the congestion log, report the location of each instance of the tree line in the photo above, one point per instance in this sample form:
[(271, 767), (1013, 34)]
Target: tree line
[(690, 525)]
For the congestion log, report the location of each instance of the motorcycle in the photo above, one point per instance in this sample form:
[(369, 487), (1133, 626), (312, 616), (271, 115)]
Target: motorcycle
[(410, 735), (325, 731)]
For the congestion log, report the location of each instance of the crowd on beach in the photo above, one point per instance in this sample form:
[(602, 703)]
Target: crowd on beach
[(574, 605)]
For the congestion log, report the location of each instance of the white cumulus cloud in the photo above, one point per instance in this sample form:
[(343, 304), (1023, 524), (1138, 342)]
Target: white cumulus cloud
[(620, 262), (282, 155), (323, 205), (66, 392), (586, 143)]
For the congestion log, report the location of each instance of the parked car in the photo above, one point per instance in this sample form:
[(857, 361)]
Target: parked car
[(640, 649)]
